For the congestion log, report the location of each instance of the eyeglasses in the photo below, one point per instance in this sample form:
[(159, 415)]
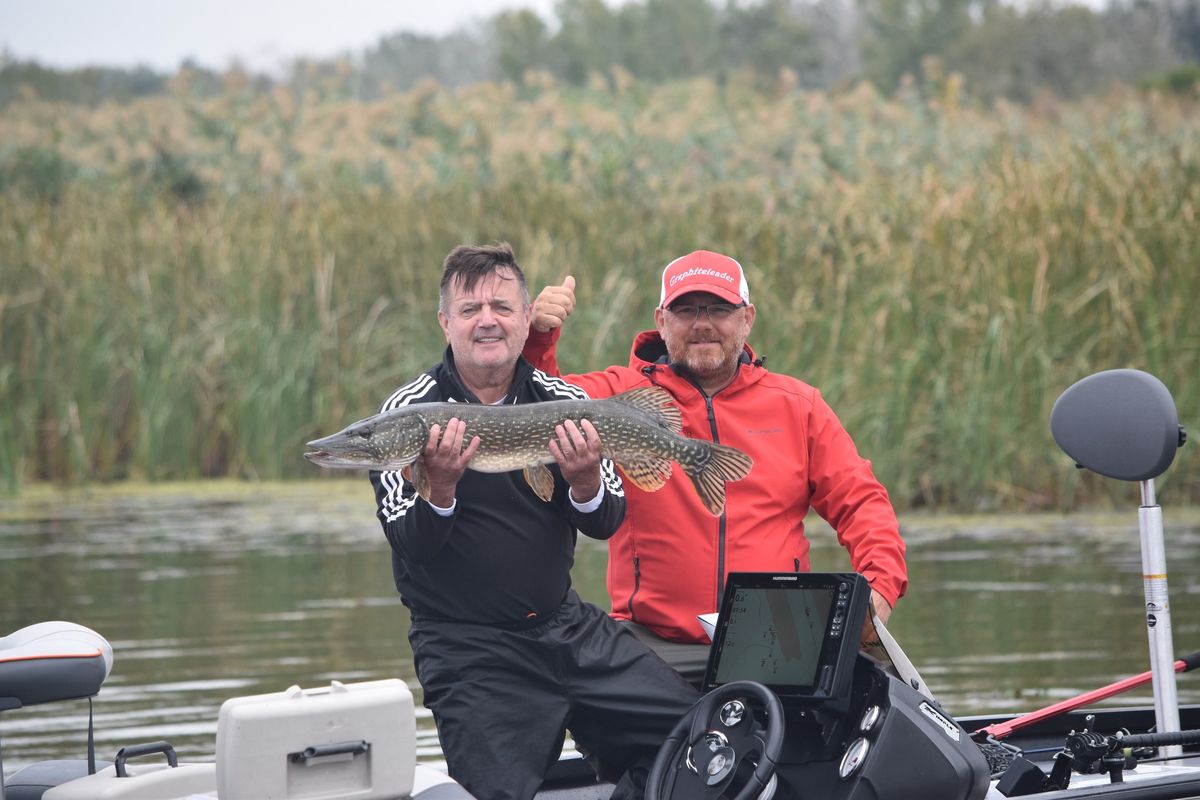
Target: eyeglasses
[(717, 312)]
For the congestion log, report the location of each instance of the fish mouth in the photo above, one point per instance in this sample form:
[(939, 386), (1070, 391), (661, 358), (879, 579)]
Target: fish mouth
[(329, 460)]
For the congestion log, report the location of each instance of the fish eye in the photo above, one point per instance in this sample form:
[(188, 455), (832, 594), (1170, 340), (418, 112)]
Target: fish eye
[(363, 433)]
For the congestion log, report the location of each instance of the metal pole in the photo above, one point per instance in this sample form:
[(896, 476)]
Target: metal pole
[(1158, 617)]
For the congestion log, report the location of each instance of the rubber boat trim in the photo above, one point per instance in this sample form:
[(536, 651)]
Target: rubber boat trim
[(41, 656)]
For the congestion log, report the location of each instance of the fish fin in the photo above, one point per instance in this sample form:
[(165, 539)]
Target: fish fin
[(656, 402), (541, 480), (649, 475), (724, 463), (416, 474)]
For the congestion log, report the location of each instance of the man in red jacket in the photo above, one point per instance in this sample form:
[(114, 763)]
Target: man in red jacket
[(668, 561)]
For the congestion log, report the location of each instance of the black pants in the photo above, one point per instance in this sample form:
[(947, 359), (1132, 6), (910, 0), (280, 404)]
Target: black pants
[(502, 699), (686, 658)]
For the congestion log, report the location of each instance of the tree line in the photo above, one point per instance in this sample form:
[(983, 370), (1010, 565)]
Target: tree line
[(996, 49)]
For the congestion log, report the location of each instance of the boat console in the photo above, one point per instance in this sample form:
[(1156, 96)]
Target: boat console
[(853, 729), (797, 634)]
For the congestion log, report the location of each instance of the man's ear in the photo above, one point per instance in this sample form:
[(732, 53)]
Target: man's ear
[(660, 321), (751, 313), (444, 321)]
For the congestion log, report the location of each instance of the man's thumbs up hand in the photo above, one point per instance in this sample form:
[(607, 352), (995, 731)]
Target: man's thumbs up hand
[(553, 305)]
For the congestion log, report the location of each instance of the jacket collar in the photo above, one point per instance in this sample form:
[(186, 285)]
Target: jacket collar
[(458, 392), (649, 355)]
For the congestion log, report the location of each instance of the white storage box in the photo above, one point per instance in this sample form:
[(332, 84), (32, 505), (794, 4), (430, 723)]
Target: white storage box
[(351, 742)]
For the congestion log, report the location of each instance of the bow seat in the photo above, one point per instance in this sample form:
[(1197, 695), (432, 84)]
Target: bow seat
[(52, 661)]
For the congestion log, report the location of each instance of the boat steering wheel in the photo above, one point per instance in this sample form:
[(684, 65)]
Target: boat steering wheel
[(719, 746)]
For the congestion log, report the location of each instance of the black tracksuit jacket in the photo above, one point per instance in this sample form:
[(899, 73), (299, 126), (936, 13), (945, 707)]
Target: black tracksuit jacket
[(504, 556)]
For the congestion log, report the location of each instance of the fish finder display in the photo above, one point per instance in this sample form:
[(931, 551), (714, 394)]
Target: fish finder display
[(775, 636), (796, 633)]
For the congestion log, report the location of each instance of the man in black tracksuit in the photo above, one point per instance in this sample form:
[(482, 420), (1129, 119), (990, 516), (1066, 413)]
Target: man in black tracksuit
[(506, 652)]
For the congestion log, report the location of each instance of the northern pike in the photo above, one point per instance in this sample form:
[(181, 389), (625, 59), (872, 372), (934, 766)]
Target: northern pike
[(640, 430)]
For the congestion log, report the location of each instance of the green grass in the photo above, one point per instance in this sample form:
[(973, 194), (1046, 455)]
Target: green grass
[(176, 303)]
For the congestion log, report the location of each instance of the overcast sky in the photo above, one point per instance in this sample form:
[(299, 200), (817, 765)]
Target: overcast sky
[(263, 34)]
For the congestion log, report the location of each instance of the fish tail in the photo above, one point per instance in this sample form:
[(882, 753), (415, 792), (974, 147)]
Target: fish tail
[(724, 463)]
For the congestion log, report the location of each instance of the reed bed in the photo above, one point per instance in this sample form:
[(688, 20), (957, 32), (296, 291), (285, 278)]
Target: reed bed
[(196, 287)]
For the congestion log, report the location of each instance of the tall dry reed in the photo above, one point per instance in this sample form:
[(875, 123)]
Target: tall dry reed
[(195, 288)]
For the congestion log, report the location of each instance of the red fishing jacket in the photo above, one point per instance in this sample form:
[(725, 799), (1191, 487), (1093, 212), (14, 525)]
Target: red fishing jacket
[(668, 561)]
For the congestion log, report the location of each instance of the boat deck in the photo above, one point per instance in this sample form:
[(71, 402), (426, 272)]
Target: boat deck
[(1148, 782)]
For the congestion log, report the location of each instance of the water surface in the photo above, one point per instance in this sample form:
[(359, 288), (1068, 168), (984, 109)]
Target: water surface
[(211, 591)]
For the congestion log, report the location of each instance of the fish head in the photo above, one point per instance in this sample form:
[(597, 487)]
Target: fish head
[(384, 441)]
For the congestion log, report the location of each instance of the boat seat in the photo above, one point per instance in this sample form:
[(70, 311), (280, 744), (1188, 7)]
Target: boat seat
[(52, 661)]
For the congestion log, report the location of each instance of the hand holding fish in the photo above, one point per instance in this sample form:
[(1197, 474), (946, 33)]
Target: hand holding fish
[(444, 460), (578, 452), (553, 305)]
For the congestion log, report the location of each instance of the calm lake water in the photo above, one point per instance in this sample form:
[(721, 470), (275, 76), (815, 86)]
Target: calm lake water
[(212, 591)]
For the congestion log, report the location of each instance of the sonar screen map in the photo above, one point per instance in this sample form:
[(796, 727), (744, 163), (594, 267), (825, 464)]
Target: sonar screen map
[(774, 637)]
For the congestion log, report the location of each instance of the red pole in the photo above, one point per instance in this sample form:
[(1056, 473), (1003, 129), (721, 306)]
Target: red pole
[(1003, 729)]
